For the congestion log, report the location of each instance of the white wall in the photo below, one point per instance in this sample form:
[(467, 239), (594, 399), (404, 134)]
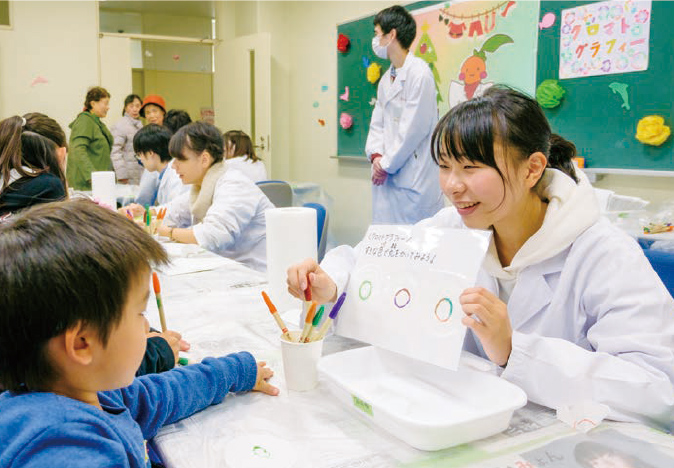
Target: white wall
[(55, 40)]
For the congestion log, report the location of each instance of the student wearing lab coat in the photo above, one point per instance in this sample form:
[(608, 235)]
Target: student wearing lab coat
[(565, 302), (404, 178), (224, 210)]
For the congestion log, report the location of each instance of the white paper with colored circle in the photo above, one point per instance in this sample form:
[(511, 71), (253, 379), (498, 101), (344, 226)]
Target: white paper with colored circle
[(403, 294)]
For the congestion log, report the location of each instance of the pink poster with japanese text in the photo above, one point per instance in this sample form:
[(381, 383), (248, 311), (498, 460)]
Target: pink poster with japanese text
[(604, 38)]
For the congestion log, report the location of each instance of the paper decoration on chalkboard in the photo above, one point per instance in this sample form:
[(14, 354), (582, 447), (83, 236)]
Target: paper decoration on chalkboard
[(477, 23), (39, 80), (474, 71), (403, 293), (345, 121), (373, 73), (621, 90), (366, 62), (426, 51), (604, 38), (345, 95), (547, 21), (651, 130), (343, 43), (549, 94), (373, 101)]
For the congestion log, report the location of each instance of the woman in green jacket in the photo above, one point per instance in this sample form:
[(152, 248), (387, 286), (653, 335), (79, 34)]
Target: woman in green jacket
[(90, 140)]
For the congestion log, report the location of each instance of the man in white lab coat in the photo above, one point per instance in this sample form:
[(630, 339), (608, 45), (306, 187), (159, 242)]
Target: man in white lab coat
[(405, 179)]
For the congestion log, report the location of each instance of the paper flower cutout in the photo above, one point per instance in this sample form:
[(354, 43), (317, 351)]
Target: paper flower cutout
[(373, 73), (366, 61), (321, 122), (345, 121), (549, 94), (343, 43), (651, 130), (547, 21), (38, 80), (345, 96)]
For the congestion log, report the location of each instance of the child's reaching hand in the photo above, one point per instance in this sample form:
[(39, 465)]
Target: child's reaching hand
[(263, 375)]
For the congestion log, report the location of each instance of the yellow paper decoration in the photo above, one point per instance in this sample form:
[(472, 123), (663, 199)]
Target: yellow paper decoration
[(373, 72), (651, 130)]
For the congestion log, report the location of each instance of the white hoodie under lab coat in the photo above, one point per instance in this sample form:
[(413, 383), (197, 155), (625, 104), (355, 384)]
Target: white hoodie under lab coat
[(591, 318)]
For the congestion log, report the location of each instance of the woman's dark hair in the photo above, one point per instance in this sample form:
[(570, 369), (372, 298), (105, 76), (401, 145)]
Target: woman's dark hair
[(95, 94), (243, 146), (502, 115), (128, 100), (31, 146), (586, 452), (398, 18), (153, 137), (62, 263), (176, 119), (197, 137)]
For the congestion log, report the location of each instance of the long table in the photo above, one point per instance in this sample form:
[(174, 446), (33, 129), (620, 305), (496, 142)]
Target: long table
[(220, 311)]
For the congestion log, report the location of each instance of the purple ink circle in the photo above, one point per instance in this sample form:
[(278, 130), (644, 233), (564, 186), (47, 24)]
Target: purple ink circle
[(401, 293)]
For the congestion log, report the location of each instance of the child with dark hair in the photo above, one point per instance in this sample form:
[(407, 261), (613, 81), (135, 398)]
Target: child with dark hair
[(176, 119), (32, 162), (224, 211), (565, 302), (123, 158), (240, 155), (161, 184), (75, 281)]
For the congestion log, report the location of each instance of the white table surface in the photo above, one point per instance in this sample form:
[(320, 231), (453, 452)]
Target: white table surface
[(221, 311)]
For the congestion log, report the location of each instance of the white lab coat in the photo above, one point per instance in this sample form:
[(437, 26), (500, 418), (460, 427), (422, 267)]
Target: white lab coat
[(402, 123), (234, 225), (593, 322), (167, 188), (254, 170)]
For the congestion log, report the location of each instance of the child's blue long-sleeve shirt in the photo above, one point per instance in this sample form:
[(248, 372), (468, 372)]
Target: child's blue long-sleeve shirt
[(49, 430)]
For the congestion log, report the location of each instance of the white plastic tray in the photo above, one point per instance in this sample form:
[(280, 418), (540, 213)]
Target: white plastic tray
[(428, 407)]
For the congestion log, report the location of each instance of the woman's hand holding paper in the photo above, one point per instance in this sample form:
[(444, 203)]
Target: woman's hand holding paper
[(488, 317)]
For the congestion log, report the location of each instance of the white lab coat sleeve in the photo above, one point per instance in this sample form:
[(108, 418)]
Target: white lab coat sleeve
[(338, 264), (375, 137), (417, 121), (630, 366), (178, 212), (234, 206)]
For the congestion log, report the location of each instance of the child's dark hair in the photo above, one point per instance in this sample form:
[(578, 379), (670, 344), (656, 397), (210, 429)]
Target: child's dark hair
[(398, 18), (32, 145), (128, 100), (502, 115), (61, 264), (153, 137), (243, 146), (198, 137), (95, 94), (175, 119)]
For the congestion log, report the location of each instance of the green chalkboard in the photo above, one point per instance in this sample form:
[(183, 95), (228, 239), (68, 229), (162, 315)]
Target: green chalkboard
[(351, 72), (592, 116)]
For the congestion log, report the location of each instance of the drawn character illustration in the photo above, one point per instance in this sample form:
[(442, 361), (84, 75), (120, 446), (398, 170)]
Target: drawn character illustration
[(474, 71)]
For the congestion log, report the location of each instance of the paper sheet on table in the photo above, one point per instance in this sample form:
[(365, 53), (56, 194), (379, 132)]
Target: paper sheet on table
[(403, 294)]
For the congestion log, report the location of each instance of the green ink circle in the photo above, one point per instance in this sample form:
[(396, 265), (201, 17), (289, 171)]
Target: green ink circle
[(437, 306), (368, 292)]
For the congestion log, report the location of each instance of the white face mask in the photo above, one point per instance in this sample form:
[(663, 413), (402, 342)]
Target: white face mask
[(378, 49)]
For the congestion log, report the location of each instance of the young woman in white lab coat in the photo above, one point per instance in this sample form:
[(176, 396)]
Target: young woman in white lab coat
[(398, 143), (565, 302), (224, 211)]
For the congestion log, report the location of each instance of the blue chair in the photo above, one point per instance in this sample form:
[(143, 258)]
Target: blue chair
[(663, 264), (321, 226), (279, 192)]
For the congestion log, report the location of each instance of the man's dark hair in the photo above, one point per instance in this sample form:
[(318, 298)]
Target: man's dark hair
[(398, 18), (176, 119), (61, 264), (153, 137)]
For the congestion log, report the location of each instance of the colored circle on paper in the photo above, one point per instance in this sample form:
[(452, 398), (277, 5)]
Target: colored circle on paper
[(365, 290), (402, 298), (443, 309)]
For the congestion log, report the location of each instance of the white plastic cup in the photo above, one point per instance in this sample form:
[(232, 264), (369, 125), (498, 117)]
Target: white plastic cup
[(300, 361)]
